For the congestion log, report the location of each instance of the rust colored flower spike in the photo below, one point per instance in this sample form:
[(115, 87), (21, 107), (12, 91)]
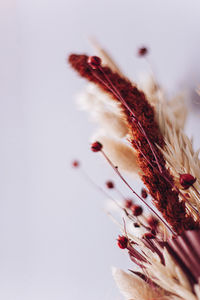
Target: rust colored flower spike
[(142, 51), (187, 180), (94, 62), (110, 184), (122, 242), (144, 132), (96, 147)]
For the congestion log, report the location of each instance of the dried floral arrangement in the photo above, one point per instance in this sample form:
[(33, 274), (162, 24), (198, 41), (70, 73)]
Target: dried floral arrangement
[(142, 132)]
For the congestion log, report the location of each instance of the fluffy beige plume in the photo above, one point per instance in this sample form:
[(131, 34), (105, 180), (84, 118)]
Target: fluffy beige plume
[(112, 124), (112, 127), (119, 152), (134, 288), (103, 110), (178, 152)]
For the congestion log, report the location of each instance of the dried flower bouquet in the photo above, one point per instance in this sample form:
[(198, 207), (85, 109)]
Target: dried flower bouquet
[(142, 133)]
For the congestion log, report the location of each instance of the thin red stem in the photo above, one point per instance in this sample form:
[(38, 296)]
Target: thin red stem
[(128, 185), (95, 185)]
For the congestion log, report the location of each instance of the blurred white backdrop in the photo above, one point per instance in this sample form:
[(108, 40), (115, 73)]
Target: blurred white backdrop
[(55, 240)]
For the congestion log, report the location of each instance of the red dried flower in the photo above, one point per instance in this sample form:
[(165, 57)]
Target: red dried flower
[(128, 203), (142, 51), (122, 242), (75, 164), (187, 195), (136, 210), (152, 222), (187, 180), (110, 184), (144, 193), (96, 147), (94, 62)]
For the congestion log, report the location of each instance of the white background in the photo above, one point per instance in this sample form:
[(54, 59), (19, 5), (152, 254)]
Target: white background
[(56, 242)]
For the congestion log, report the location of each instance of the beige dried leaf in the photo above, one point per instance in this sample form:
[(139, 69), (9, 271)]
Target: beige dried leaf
[(112, 124), (119, 153), (103, 111)]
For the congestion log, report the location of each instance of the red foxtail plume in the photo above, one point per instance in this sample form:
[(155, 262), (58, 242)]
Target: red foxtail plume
[(145, 135)]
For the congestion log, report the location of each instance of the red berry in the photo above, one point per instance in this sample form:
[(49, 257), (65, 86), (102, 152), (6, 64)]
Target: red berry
[(75, 164), (136, 210), (122, 242), (110, 185), (148, 236), (96, 147), (152, 222), (94, 62), (128, 203), (187, 195), (142, 51), (144, 193), (187, 180)]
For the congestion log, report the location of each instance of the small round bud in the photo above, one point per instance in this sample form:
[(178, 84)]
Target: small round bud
[(152, 222), (128, 203), (75, 164), (144, 193), (96, 147), (187, 180), (142, 51), (110, 185), (187, 195), (148, 236), (122, 242), (136, 210), (94, 62)]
